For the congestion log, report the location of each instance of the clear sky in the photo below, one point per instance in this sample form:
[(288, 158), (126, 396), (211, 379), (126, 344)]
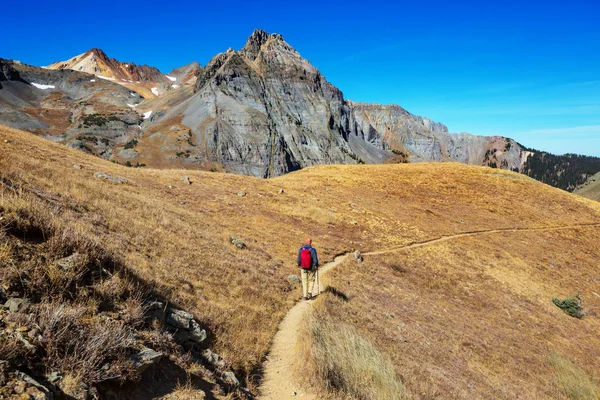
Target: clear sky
[(529, 70)]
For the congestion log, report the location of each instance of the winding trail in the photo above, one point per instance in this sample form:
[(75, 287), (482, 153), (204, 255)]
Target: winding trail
[(279, 381)]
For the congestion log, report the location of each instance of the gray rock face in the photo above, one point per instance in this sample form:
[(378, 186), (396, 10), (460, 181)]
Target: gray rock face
[(424, 140), (265, 111)]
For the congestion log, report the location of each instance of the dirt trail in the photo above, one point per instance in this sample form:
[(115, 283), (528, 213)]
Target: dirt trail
[(279, 380)]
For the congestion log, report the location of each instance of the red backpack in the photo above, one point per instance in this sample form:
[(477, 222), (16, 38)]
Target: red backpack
[(306, 258)]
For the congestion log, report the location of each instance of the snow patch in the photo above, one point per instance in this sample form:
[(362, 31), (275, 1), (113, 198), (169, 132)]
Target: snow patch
[(126, 65), (133, 94), (171, 78), (131, 105), (147, 114), (155, 91), (105, 77), (92, 80), (43, 87), (174, 86)]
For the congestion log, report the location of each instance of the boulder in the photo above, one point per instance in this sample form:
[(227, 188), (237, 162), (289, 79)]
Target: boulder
[(241, 194), (230, 378), (102, 175), (179, 319), (358, 256), (68, 263), (186, 180), (16, 304), (145, 358), (197, 334), (213, 358), (238, 243)]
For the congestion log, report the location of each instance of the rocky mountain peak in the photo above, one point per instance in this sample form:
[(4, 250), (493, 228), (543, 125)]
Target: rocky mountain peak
[(97, 52), (255, 41)]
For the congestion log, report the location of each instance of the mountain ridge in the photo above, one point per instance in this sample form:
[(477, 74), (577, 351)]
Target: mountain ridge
[(264, 110)]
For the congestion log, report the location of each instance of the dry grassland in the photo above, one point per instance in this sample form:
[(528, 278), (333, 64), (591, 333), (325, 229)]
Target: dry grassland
[(476, 312)]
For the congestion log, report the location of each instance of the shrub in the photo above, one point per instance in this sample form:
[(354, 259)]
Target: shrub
[(571, 305), (131, 144), (95, 351)]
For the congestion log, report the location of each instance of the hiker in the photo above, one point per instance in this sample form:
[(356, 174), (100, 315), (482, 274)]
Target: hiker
[(308, 261)]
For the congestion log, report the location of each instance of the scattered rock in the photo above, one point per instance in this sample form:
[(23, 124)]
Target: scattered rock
[(352, 205), (293, 279), (186, 180), (358, 256), (26, 343), (179, 319), (281, 191), (16, 304), (213, 358), (54, 377), (155, 305), (145, 358), (230, 377), (171, 187), (353, 223), (197, 334), (241, 194), (102, 175), (35, 390), (6, 141), (77, 166), (238, 243), (68, 263), (293, 394)]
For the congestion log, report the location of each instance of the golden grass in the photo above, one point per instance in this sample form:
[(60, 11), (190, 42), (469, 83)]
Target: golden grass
[(576, 383), (179, 238), (340, 360), (474, 317)]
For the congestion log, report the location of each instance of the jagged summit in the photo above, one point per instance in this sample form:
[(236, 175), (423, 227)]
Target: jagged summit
[(257, 39), (96, 62)]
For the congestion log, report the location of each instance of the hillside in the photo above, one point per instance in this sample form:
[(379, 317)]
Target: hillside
[(486, 300), (568, 171), (590, 188)]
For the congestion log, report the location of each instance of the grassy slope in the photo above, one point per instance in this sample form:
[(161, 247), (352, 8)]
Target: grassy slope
[(591, 189), (180, 237)]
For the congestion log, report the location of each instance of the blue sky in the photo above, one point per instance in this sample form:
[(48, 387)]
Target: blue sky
[(527, 70)]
